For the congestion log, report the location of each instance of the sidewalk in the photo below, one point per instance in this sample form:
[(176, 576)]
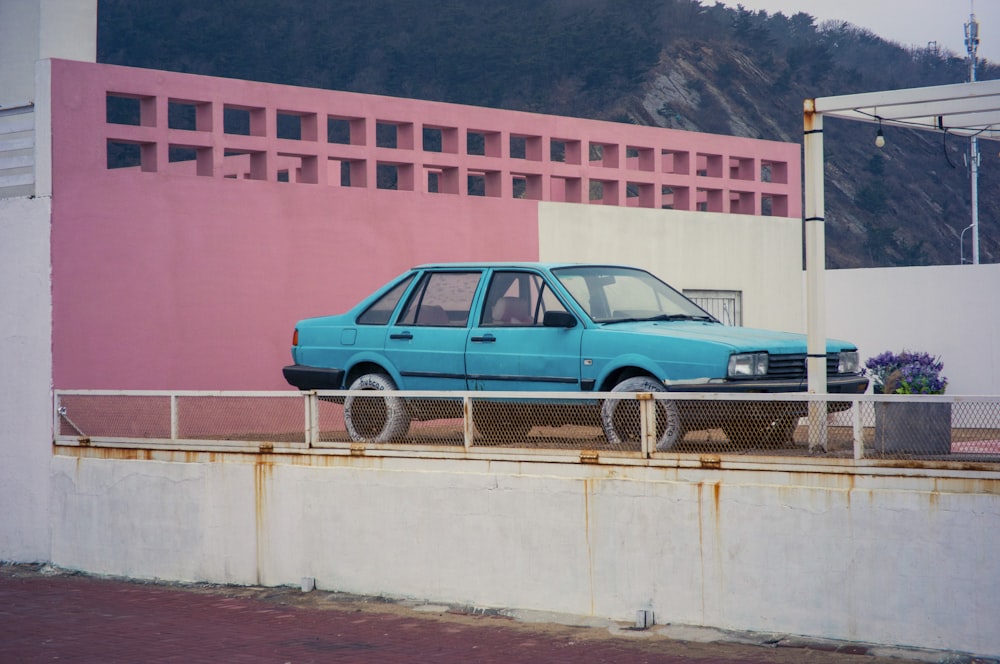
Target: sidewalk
[(48, 615)]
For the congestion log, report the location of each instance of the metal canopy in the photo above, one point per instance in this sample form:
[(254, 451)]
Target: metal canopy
[(968, 109)]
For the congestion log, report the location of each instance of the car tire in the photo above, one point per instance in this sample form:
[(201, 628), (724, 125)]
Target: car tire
[(620, 417), (375, 419)]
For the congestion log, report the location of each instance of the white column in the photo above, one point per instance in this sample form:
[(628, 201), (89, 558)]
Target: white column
[(815, 273)]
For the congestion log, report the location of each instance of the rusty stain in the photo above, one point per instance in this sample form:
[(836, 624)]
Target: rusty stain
[(266, 448), (701, 547), (262, 474), (358, 449), (716, 491), (587, 489)]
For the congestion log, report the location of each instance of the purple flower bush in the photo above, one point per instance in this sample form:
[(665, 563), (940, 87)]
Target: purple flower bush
[(906, 373)]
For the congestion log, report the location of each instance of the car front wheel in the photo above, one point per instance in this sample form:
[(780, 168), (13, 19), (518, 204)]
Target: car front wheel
[(620, 417), (375, 419)]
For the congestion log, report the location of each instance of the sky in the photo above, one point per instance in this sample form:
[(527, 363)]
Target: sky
[(909, 22)]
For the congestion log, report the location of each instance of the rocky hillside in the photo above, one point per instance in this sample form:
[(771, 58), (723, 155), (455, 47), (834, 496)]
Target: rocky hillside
[(683, 64)]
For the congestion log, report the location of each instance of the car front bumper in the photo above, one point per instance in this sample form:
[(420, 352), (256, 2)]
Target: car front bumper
[(853, 384)]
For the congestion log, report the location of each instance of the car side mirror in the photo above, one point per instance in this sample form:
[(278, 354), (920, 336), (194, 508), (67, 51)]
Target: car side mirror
[(559, 319)]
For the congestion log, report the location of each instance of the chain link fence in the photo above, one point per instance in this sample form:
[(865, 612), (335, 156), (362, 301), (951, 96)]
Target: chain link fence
[(608, 424)]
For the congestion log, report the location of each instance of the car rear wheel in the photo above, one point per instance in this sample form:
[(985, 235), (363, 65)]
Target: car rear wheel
[(620, 417), (375, 419)]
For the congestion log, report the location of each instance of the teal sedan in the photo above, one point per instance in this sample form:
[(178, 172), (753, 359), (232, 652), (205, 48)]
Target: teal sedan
[(557, 327)]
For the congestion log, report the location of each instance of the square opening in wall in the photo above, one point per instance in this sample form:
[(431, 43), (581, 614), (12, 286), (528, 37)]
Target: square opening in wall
[(386, 136), (123, 155), (179, 153), (289, 126), (122, 110), (477, 184), (236, 121), (431, 139), (182, 115), (338, 130)]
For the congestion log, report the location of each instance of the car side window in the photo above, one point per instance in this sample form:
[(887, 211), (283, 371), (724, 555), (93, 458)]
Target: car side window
[(379, 311), (518, 299), (441, 299)]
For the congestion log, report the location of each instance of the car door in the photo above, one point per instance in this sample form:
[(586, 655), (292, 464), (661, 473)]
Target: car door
[(509, 347), (426, 343)]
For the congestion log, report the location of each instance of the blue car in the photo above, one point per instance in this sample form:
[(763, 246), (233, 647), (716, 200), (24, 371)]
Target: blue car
[(558, 327)]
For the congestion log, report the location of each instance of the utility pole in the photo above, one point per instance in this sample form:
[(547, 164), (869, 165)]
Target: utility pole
[(971, 46)]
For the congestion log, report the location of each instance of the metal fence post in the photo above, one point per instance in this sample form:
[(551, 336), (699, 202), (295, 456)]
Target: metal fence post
[(647, 423), (56, 415), (174, 417), (312, 419), (467, 421), (859, 431)]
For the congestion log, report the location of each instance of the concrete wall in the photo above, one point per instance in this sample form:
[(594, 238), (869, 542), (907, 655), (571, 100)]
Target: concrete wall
[(25, 378), (33, 30), (893, 557), (760, 257), (952, 311)]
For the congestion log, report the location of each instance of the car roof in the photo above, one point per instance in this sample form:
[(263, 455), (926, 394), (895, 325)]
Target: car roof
[(506, 264)]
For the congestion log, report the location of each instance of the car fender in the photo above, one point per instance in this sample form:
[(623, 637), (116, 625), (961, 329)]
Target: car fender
[(372, 357), (630, 361)]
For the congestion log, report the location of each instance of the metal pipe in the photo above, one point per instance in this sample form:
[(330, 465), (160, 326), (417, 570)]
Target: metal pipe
[(972, 45)]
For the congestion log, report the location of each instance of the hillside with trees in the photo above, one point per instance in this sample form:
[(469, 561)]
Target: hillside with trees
[(683, 64)]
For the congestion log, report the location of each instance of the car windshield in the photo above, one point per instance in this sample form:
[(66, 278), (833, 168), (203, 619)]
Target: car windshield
[(611, 294)]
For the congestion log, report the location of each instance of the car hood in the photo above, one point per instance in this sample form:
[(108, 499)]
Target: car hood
[(736, 338)]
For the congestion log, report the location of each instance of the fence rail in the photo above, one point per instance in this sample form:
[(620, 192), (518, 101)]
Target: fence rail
[(584, 427)]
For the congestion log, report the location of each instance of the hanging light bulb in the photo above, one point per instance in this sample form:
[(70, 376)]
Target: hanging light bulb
[(879, 136)]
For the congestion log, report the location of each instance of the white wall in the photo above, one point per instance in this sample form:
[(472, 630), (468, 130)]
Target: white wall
[(810, 550), (33, 30), (949, 311), (25, 378), (760, 256)]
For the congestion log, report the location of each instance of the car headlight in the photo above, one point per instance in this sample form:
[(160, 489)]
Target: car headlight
[(849, 362), (747, 365)]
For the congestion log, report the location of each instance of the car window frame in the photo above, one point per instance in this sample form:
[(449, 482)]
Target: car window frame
[(419, 292), (402, 286), (538, 305)]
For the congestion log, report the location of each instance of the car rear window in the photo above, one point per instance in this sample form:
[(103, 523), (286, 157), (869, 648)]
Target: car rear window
[(379, 312)]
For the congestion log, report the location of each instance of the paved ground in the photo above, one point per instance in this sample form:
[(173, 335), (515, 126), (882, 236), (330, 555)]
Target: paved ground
[(51, 615)]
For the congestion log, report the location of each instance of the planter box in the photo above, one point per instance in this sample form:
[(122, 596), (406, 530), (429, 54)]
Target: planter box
[(914, 428)]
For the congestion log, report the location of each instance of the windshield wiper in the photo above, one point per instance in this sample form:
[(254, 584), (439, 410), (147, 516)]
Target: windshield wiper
[(710, 319), (661, 317)]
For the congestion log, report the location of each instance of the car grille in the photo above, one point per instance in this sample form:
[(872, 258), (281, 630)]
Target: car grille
[(793, 366)]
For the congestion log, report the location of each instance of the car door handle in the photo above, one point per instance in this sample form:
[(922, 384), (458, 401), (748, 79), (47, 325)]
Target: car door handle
[(485, 339), (401, 335)]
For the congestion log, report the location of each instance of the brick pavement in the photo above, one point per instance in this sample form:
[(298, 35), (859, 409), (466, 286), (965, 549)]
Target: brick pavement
[(50, 615)]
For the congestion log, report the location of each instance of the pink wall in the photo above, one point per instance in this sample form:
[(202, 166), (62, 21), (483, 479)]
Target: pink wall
[(190, 274)]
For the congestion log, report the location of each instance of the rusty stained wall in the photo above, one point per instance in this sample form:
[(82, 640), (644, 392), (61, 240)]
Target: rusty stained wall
[(810, 551)]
